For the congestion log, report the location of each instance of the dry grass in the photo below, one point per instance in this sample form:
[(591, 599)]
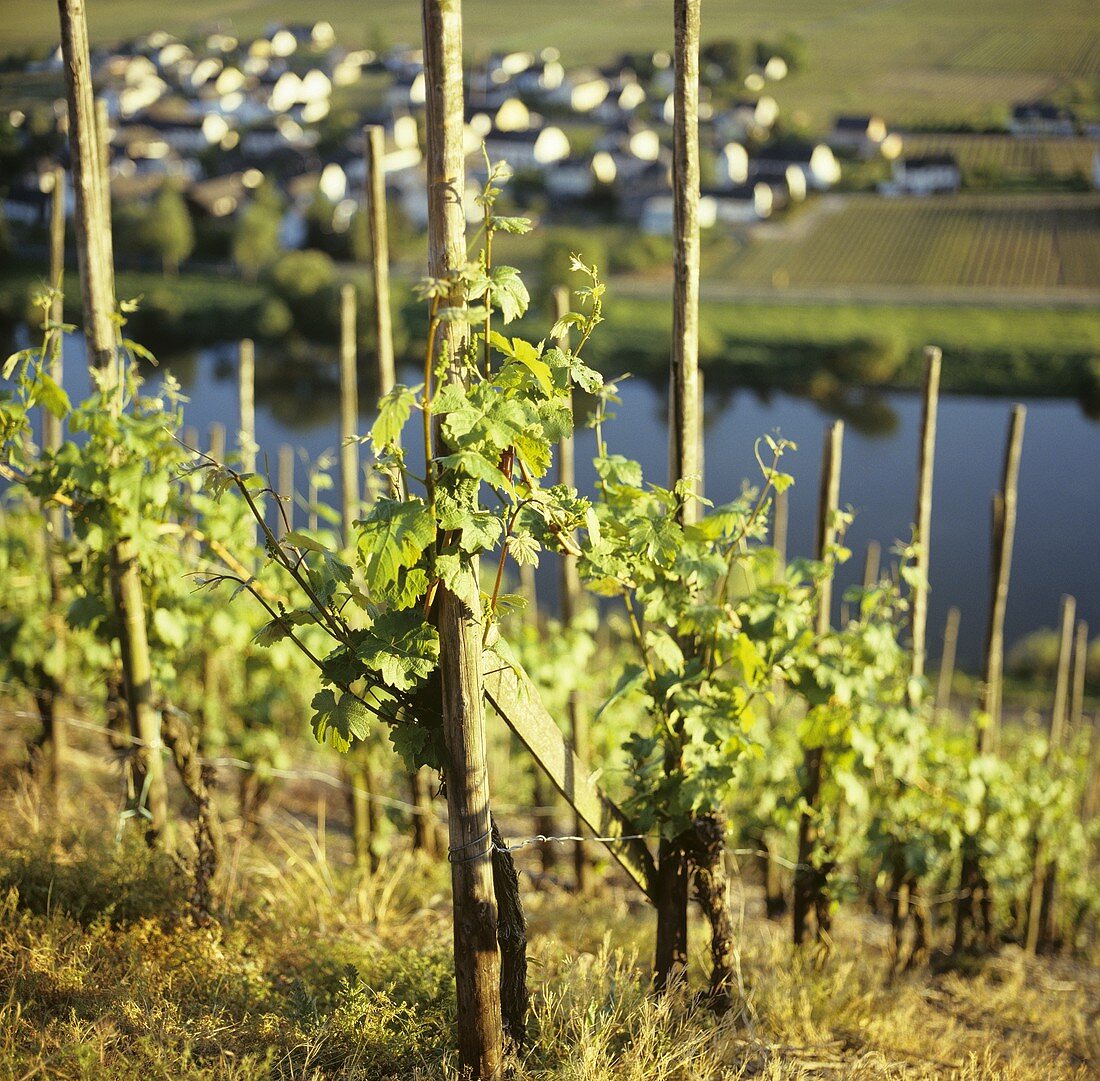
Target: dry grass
[(313, 974)]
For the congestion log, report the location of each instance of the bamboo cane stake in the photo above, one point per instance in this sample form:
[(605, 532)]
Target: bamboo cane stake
[(477, 956), (947, 661), (807, 888), (374, 138), (925, 469), (349, 415), (1004, 531)]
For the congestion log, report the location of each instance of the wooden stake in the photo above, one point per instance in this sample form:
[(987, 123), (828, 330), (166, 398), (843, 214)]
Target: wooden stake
[(103, 144), (216, 434), (93, 230), (571, 598), (670, 962), (285, 520), (925, 468), (684, 389), (1090, 798), (52, 434), (350, 500), (779, 530), (477, 956), (246, 389), (51, 425), (374, 138), (872, 564), (808, 884), (1004, 531), (974, 901), (947, 661), (1080, 667), (1061, 681), (1040, 916)]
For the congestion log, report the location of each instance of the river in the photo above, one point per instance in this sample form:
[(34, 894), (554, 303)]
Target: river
[(1059, 513)]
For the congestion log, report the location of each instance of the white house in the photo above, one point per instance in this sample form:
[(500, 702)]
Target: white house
[(929, 175), (531, 149), (732, 166), (862, 135), (742, 205), (817, 163), (657, 214), (1040, 118)]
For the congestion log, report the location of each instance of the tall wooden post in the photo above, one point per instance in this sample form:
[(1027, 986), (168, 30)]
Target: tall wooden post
[(349, 415), (684, 388), (672, 865), (424, 826), (947, 661), (974, 901), (807, 878), (477, 957), (1004, 532), (1080, 666), (925, 468), (285, 488), (571, 597), (93, 230), (246, 394), (103, 144), (374, 138)]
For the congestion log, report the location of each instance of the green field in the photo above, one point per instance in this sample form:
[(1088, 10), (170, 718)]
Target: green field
[(1048, 242), (912, 60)]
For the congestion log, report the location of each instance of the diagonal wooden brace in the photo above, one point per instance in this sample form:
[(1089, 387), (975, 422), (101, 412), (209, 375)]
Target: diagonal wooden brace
[(517, 700)]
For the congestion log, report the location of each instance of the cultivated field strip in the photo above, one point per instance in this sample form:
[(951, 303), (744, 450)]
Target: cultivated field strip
[(996, 242), (1008, 157)]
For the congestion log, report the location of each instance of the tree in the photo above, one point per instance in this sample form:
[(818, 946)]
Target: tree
[(256, 236), (167, 230)]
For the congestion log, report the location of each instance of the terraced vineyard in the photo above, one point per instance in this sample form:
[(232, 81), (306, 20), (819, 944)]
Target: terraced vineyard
[(996, 242), (1010, 158), (1044, 49)]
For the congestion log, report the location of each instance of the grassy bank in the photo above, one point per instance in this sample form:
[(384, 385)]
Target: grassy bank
[(311, 972), (991, 350)]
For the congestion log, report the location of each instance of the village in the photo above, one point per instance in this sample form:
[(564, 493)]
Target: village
[(265, 138)]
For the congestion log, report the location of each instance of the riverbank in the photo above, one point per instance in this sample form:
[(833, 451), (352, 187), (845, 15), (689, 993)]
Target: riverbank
[(811, 347)]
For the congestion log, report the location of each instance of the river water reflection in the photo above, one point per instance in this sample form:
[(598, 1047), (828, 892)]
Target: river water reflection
[(1058, 533)]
